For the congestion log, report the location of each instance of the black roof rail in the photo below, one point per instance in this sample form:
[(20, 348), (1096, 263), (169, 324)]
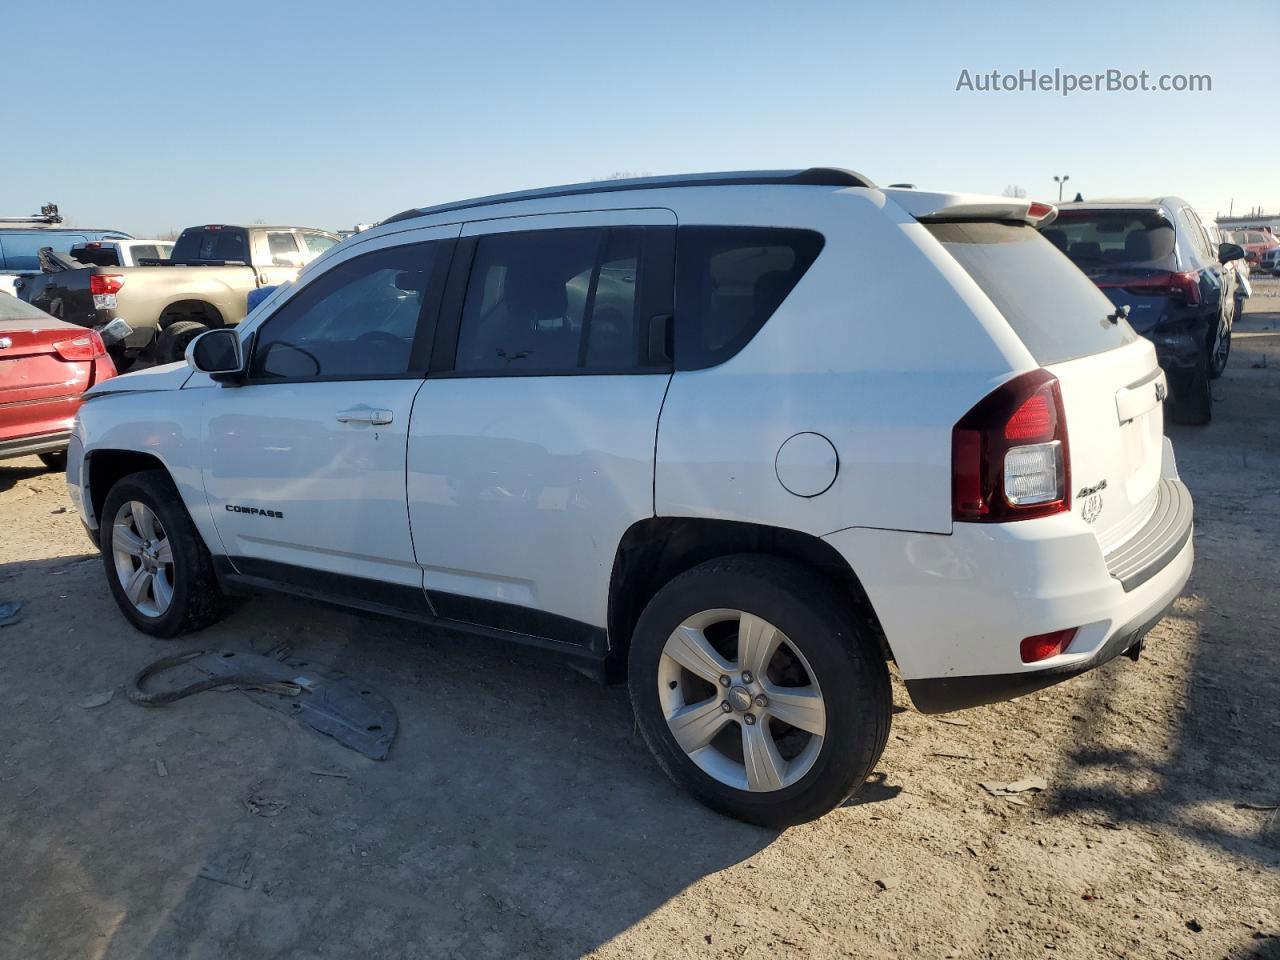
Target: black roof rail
[(812, 177)]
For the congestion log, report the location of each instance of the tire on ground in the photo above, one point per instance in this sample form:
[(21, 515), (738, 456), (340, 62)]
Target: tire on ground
[(197, 599), (846, 660), (171, 345)]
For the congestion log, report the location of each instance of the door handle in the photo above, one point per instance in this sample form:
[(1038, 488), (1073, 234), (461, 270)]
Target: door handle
[(366, 415)]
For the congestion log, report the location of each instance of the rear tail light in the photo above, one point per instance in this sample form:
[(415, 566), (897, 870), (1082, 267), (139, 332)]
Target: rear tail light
[(102, 283), (1009, 454), (1046, 645), (1039, 212), (86, 347), (1185, 285)]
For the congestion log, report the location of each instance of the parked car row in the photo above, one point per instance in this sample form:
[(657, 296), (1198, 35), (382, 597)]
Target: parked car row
[(202, 283), (660, 428)]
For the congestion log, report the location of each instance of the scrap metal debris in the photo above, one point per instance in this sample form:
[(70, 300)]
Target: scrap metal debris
[(324, 700), (997, 789)]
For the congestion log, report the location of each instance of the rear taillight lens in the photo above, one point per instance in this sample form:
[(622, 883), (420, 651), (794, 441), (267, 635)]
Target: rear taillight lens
[(85, 347), (102, 283), (1185, 285), (1009, 454)]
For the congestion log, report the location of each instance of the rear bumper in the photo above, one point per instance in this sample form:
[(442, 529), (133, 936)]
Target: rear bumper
[(27, 446), (955, 608)]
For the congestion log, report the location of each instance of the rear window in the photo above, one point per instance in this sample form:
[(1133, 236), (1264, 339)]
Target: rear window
[(105, 255), (729, 281), (1099, 237), (1055, 309), (227, 243)]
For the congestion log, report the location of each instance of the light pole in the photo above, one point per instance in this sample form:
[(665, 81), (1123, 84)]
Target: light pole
[(1061, 182)]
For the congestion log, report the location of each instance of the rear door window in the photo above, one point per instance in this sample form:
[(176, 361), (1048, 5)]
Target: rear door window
[(1054, 308), (145, 251), (575, 300), (729, 282)]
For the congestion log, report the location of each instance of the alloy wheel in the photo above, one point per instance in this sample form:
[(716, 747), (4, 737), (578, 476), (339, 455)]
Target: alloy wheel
[(143, 558), (741, 700)]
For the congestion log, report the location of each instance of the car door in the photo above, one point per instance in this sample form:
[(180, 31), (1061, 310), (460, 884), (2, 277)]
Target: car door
[(277, 255), (531, 449), (305, 463)]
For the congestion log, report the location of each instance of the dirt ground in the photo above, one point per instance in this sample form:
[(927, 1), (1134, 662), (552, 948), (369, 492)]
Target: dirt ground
[(519, 814)]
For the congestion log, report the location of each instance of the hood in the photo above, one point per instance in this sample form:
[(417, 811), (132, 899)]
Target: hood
[(170, 376)]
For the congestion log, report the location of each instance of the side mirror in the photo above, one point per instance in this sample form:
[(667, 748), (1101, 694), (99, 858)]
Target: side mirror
[(218, 353), (1230, 251)]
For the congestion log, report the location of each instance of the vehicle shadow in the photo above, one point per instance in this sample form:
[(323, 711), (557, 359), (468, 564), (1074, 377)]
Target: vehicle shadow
[(10, 475), (519, 813), (1213, 777)]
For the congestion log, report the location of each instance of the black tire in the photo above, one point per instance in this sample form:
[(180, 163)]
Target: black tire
[(1218, 357), (1193, 403), (197, 600), (171, 345), (844, 658), (55, 460)]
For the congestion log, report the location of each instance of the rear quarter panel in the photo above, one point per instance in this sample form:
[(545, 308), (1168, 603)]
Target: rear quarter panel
[(148, 291), (883, 345)]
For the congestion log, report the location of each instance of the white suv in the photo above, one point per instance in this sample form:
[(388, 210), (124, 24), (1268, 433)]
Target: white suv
[(741, 438)]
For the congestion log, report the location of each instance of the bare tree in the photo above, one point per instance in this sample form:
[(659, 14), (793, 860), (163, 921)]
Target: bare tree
[(1013, 190)]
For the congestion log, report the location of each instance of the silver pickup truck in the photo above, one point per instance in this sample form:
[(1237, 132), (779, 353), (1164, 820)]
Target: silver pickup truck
[(203, 284)]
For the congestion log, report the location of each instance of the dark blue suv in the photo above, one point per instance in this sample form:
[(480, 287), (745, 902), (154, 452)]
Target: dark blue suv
[(1156, 257), (20, 245)]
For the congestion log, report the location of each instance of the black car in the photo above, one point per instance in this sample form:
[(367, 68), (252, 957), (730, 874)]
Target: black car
[(1156, 258)]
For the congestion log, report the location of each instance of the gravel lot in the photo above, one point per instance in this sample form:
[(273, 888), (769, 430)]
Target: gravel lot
[(519, 814)]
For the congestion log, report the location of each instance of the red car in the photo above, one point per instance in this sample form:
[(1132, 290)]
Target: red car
[(1257, 243), (45, 366)]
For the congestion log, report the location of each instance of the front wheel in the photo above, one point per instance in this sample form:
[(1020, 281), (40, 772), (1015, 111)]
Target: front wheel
[(758, 690), (171, 345), (157, 565), (1220, 348)]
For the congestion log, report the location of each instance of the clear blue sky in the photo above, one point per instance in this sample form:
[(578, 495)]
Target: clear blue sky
[(147, 115)]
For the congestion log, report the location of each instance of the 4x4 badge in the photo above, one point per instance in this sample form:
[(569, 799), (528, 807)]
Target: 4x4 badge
[(1162, 391), (1091, 497)]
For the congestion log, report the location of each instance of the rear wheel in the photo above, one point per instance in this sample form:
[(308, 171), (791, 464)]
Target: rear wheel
[(758, 691), (159, 570), (171, 345)]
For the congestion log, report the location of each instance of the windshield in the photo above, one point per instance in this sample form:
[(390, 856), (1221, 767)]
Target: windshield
[(1054, 308)]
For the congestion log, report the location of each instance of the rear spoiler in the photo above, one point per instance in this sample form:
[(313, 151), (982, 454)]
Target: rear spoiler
[(972, 206)]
